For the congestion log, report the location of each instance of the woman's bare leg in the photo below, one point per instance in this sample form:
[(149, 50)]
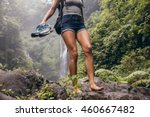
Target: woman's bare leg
[(84, 40), (70, 41)]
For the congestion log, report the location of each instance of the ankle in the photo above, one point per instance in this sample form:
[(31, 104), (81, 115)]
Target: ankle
[(92, 84)]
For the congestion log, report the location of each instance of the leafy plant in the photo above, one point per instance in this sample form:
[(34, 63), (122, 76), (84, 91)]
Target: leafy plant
[(46, 93), (121, 27), (7, 91)]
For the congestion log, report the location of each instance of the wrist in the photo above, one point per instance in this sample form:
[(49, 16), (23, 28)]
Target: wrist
[(43, 22)]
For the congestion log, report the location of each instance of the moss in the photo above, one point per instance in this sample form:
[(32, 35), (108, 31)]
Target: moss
[(137, 75), (107, 75), (142, 83)]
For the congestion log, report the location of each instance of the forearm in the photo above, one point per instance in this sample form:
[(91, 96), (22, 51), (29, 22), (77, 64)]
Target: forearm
[(50, 12)]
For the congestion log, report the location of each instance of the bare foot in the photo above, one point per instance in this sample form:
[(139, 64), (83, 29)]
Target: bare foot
[(96, 88)]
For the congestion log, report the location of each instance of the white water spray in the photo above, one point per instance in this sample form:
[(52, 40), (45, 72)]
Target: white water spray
[(63, 59)]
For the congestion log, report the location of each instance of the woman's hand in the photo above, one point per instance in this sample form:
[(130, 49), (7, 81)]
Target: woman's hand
[(51, 11)]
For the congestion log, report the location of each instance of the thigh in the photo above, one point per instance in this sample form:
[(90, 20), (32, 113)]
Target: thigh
[(83, 38), (70, 40)]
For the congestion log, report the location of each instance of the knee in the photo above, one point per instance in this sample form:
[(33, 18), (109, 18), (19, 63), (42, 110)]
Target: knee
[(73, 54), (87, 50)]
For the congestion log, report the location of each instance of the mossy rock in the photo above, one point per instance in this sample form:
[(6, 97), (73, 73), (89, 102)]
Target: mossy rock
[(51, 91), (107, 75), (142, 83), (137, 75)]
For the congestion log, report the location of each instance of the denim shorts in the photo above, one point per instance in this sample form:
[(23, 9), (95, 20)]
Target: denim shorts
[(73, 23)]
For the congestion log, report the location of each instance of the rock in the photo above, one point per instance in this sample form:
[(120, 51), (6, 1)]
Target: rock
[(50, 91), (15, 83), (59, 92), (21, 84), (112, 91), (5, 97), (143, 90)]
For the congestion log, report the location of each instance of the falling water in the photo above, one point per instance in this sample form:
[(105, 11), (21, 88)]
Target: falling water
[(63, 59)]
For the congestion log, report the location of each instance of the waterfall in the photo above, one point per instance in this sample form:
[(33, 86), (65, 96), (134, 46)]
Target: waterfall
[(63, 70)]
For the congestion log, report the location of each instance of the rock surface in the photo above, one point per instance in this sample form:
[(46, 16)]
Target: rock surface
[(59, 91), (113, 91), (21, 84), (14, 84), (5, 97)]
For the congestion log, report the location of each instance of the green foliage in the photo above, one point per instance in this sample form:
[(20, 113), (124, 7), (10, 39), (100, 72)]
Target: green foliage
[(7, 91), (46, 92), (74, 79), (121, 40), (136, 76), (72, 86), (134, 60), (82, 70), (121, 27), (107, 75), (2, 66), (142, 83), (1, 85), (148, 70)]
